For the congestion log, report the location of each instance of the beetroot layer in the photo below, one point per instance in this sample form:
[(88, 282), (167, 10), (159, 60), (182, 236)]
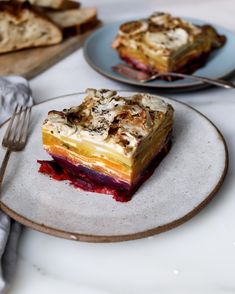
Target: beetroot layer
[(91, 175), (92, 181)]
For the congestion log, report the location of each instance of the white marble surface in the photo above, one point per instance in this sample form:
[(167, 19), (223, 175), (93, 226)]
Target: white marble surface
[(197, 257)]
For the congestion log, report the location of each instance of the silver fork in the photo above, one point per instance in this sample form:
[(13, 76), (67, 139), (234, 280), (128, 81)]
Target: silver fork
[(16, 135), (216, 82), (142, 77)]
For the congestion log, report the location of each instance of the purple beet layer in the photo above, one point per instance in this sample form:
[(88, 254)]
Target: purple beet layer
[(92, 175)]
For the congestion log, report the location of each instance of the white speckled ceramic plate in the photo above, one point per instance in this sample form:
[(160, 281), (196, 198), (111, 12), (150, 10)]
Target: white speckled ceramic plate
[(184, 182), (100, 56)]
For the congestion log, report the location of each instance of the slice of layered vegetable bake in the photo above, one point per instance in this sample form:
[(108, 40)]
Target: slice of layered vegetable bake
[(163, 43), (111, 142)]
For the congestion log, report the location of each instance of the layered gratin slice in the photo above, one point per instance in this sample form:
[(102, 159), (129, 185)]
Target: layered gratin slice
[(163, 43), (111, 142)]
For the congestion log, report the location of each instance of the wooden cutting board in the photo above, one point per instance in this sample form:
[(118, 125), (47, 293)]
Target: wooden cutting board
[(31, 62)]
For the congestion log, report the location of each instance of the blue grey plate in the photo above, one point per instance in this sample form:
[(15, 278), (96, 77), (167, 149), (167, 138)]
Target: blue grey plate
[(100, 56)]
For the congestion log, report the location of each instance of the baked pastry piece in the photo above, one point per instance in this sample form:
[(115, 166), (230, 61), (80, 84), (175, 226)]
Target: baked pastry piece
[(163, 43), (21, 26), (53, 4), (111, 142), (74, 21)]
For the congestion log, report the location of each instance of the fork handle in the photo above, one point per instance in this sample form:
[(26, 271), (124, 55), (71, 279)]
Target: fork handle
[(4, 165), (215, 82)]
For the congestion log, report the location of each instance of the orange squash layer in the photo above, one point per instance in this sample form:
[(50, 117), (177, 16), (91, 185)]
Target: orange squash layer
[(108, 167)]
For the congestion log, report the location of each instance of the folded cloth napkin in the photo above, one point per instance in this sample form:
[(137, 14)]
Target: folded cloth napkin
[(13, 90)]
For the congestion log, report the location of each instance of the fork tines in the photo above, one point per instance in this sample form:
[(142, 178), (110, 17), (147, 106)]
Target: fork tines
[(16, 133)]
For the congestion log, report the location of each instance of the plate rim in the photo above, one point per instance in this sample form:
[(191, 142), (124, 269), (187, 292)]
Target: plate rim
[(194, 85), (127, 237)]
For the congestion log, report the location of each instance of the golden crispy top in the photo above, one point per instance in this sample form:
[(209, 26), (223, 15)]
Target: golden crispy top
[(107, 117)]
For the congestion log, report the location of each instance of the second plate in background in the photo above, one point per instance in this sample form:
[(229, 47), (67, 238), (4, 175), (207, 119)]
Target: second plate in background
[(101, 57)]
